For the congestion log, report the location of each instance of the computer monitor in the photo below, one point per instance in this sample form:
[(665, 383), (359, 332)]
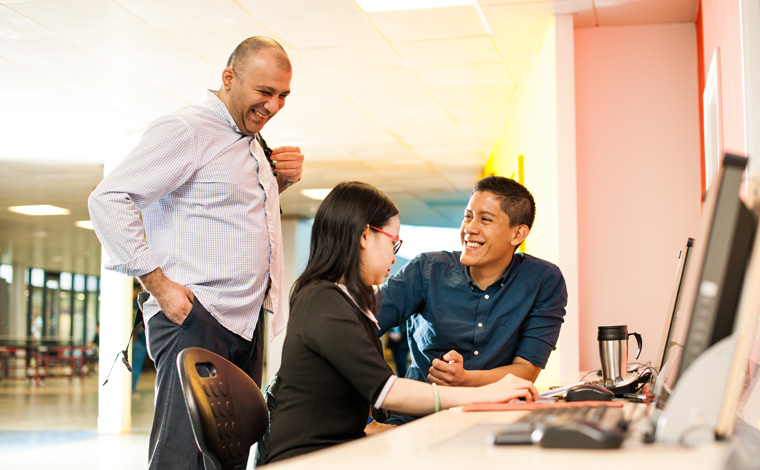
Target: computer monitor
[(674, 305), (714, 278), (743, 366)]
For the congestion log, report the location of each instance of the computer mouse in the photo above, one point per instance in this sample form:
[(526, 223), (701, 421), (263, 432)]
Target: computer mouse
[(588, 392)]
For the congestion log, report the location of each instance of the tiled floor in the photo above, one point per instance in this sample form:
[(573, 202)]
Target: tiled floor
[(54, 425)]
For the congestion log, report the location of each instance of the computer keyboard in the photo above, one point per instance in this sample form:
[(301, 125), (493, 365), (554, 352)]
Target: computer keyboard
[(585, 427)]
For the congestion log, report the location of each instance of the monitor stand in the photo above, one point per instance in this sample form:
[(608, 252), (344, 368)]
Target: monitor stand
[(692, 411)]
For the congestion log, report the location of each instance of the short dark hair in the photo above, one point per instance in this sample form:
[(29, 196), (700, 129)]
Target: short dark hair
[(251, 46), (516, 201), (336, 234)]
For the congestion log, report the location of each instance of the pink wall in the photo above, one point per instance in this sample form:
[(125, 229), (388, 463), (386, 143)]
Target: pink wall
[(638, 157), (720, 27)]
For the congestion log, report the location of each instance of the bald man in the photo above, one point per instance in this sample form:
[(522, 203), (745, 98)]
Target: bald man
[(209, 246)]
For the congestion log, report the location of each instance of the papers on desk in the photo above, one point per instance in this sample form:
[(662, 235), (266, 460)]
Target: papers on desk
[(558, 391), (524, 406)]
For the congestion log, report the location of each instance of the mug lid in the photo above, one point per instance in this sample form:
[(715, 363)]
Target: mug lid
[(616, 332)]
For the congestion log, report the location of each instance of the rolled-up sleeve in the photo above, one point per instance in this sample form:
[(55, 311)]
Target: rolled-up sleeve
[(161, 163), (402, 295), (539, 331)]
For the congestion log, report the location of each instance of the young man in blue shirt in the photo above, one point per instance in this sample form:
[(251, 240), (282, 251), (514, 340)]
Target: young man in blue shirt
[(486, 311)]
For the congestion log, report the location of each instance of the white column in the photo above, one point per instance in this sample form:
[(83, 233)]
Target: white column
[(296, 235), (568, 194), (114, 398), (19, 301)]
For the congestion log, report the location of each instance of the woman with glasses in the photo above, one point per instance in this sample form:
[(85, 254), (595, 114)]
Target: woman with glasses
[(333, 368)]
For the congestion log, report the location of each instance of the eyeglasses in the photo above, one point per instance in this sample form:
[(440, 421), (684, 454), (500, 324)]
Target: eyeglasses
[(397, 245)]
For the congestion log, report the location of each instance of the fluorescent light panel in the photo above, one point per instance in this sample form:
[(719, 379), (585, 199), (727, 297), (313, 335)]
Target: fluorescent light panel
[(42, 209), (84, 224), (316, 194), (370, 6)]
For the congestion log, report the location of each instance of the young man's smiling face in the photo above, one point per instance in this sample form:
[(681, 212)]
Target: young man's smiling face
[(488, 240)]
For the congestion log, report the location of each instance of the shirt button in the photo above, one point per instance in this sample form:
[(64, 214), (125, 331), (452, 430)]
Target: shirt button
[(487, 297), (480, 325), (476, 353)]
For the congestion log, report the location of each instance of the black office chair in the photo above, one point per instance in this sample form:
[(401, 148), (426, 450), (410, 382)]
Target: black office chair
[(227, 410)]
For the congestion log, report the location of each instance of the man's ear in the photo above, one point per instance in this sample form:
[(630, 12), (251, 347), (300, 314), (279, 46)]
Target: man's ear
[(227, 76), (520, 235)]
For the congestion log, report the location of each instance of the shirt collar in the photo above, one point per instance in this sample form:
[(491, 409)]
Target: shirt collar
[(501, 281), (367, 313), (217, 106)]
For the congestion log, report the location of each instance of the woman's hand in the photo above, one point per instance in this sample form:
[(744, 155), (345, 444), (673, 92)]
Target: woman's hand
[(510, 388)]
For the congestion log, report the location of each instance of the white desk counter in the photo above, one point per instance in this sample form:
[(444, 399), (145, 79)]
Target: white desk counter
[(458, 440)]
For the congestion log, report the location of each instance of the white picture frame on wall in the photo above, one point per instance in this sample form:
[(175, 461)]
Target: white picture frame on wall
[(713, 119)]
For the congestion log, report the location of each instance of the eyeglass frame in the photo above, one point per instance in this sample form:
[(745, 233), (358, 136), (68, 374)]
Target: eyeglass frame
[(397, 245)]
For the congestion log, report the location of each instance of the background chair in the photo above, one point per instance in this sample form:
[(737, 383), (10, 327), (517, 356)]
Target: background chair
[(227, 410)]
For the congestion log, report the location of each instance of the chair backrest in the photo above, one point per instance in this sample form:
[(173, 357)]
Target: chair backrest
[(227, 410)]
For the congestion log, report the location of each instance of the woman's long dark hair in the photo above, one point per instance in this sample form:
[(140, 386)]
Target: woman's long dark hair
[(336, 235)]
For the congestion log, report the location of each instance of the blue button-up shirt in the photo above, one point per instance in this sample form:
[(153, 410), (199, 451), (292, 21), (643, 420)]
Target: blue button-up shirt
[(518, 315)]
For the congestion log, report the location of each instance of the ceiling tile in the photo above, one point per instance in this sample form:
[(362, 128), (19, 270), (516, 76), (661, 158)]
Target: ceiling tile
[(394, 98), (520, 18), (473, 75), (155, 59), (386, 153), (323, 152), (573, 7), (48, 51), (15, 26), (481, 130), (519, 47), (433, 23), (420, 122), (475, 103), (351, 58), (218, 41), (173, 13), (373, 80), (450, 153), (326, 31), (471, 50), (68, 17), (267, 10), (16, 79), (518, 71)]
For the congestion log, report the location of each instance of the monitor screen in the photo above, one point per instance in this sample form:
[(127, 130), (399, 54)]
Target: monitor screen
[(673, 305), (713, 280)]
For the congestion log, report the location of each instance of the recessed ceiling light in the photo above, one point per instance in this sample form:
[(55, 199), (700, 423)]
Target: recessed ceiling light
[(394, 5), (84, 224), (42, 209), (316, 194)]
